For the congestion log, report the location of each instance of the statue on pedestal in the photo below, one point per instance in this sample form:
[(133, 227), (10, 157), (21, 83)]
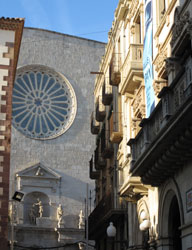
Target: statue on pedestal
[(36, 211), (81, 224), (40, 208), (59, 215), (81, 245), (32, 215)]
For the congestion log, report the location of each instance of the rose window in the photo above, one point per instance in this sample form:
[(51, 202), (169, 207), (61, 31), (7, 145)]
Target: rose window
[(44, 102)]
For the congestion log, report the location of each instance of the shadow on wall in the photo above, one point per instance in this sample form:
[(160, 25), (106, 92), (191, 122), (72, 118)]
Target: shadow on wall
[(73, 188)]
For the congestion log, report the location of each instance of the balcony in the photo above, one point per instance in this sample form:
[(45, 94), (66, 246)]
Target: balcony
[(94, 125), (115, 75), (116, 133), (100, 162), (132, 68), (107, 95), (106, 210), (93, 174), (106, 149), (99, 110), (164, 143), (132, 189), (105, 145)]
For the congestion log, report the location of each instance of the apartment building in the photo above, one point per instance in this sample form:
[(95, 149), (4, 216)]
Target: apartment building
[(142, 160)]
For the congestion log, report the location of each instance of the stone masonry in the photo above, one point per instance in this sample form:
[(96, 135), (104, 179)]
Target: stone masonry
[(67, 155)]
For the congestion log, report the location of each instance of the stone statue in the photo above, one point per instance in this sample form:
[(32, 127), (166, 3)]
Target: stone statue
[(81, 245), (40, 207), (39, 172), (59, 215), (13, 213), (81, 220), (32, 215)]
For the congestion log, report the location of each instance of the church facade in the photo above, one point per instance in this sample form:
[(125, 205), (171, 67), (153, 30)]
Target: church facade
[(51, 142)]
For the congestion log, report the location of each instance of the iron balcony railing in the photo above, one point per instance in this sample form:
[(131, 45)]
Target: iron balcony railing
[(157, 149), (108, 207), (107, 95)]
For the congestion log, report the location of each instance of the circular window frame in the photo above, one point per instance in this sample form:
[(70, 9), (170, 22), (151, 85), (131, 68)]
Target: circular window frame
[(59, 79)]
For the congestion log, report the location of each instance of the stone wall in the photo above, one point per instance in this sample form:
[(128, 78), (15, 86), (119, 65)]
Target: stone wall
[(67, 155)]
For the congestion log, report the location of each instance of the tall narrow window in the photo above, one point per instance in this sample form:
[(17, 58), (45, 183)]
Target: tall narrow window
[(119, 52), (138, 30)]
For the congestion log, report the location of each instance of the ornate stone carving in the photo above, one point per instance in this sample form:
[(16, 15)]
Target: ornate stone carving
[(135, 125), (180, 22), (160, 60), (133, 29), (133, 9), (158, 85), (138, 103)]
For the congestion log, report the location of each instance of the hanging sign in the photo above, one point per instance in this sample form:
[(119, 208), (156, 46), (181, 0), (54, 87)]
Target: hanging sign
[(147, 59)]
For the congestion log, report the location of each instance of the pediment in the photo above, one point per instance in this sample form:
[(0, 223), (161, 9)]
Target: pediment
[(38, 170)]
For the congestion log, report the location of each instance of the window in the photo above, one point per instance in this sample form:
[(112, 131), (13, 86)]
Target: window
[(44, 103), (138, 30)]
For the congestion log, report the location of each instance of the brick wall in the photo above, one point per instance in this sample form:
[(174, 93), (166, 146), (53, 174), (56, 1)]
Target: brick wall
[(10, 37)]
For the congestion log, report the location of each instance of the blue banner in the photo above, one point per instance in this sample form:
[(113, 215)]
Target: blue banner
[(147, 59)]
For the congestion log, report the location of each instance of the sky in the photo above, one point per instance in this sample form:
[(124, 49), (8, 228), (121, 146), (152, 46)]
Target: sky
[(91, 19)]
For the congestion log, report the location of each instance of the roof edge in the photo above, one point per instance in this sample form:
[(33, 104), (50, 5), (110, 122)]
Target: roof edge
[(63, 34)]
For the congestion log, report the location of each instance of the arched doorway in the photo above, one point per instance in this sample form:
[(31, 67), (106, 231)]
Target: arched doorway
[(174, 221), (170, 218)]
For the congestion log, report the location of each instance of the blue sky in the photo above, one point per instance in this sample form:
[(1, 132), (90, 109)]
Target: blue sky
[(90, 19)]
